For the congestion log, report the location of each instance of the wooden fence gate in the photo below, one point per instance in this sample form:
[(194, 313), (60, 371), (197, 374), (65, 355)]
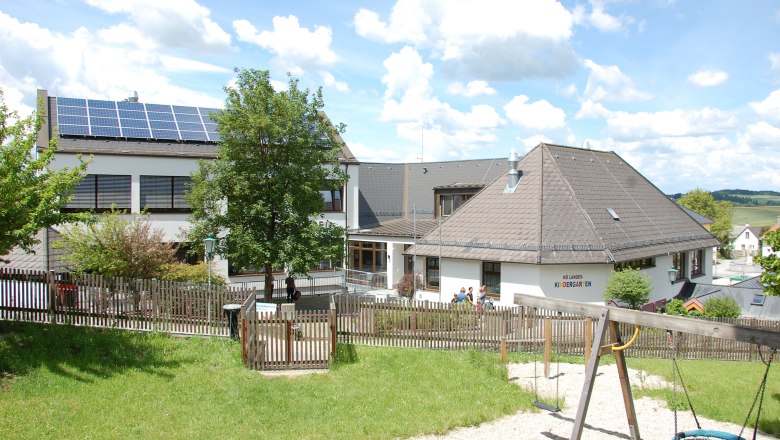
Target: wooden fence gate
[(287, 339)]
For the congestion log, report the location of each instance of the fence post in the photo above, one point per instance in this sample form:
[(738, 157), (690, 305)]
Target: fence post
[(503, 349), (547, 345), (50, 278), (332, 317), (588, 339)]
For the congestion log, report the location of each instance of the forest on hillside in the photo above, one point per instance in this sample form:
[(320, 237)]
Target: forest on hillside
[(743, 197)]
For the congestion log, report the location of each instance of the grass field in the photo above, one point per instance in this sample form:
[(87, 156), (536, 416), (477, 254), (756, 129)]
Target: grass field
[(70, 382), (756, 215)]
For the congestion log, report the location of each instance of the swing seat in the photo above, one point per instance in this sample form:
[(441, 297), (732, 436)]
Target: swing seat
[(706, 433), (546, 407)]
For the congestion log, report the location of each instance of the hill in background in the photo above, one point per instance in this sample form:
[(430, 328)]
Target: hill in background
[(756, 208)]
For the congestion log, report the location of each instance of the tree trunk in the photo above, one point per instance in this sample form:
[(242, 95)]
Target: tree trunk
[(269, 283)]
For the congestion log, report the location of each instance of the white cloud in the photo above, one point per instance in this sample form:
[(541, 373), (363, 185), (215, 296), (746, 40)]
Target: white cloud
[(676, 123), (371, 154), (538, 115), (761, 134), (774, 61), (178, 24), (176, 64), (407, 23), (769, 107), (599, 18), (708, 78), (409, 101), (80, 64), (608, 83), (471, 89), (330, 81), (296, 48), (491, 39), (593, 110)]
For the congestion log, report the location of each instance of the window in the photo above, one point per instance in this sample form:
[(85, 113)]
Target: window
[(697, 258), (639, 264), (747, 235), (758, 300), (99, 193), (491, 276), (165, 193), (432, 273), (447, 199), (451, 202), (678, 262), (332, 200), (368, 256)]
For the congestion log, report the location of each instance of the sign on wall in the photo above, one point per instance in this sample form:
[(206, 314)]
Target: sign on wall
[(572, 280)]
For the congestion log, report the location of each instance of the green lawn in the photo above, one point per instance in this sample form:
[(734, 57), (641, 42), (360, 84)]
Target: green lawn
[(755, 215), (70, 382)]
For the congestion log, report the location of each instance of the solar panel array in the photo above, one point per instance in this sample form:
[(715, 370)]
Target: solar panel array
[(124, 119)]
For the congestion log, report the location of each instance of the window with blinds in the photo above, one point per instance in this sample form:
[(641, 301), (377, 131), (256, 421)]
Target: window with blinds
[(164, 193), (100, 193)]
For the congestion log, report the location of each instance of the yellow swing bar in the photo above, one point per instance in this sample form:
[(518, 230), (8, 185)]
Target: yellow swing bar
[(630, 342)]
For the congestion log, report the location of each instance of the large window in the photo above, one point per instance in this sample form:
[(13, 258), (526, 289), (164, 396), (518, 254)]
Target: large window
[(491, 276), (678, 262), (368, 256), (640, 263), (451, 202), (447, 199), (165, 193), (432, 273), (332, 200), (697, 259), (100, 193)]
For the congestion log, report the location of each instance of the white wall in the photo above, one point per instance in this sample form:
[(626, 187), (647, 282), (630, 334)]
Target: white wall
[(457, 274)]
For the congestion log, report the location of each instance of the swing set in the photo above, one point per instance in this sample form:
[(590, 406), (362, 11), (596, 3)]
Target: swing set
[(609, 317)]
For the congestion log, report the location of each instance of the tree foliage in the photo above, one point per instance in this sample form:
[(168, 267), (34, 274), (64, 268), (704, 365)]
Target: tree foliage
[(770, 277), (628, 287), (720, 212), (32, 193), (721, 307), (278, 151), (190, 273), (115, 246), (676, 307)]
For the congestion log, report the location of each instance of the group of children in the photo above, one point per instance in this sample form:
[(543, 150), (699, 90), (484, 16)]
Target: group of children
[(464, 296)]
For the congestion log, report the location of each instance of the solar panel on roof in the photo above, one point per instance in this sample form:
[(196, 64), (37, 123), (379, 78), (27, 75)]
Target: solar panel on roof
[(95, 117)]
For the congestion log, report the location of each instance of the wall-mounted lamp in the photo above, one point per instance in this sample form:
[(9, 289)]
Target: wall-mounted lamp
[(672, 272)]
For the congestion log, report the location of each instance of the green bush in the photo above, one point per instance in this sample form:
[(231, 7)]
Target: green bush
[(190, 273), (629, 287), (676, 307), (721, 307)]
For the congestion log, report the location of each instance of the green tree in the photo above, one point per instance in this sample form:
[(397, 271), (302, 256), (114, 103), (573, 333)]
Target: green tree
[(629, 287), (116, 246), (278, 151), (676, 307), (721, 307), (770, 277), (32, 193), (190, 273), (720, 212)]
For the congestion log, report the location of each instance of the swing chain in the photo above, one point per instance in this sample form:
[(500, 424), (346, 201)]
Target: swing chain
[(759, 393)]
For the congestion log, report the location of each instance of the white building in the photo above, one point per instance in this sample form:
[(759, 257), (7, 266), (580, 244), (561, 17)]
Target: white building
[(142, 158)]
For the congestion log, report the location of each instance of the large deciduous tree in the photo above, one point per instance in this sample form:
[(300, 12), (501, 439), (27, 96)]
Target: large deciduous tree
[(31, 194), (770, 277), (262, 194), (628, 287), (720, 212)]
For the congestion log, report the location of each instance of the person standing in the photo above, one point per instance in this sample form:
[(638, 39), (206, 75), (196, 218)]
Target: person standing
[(290, 282)]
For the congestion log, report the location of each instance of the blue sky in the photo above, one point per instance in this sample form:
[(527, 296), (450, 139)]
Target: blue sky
[(687, 92)]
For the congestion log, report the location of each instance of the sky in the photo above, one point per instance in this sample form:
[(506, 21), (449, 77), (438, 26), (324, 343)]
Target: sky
[(687, 92)]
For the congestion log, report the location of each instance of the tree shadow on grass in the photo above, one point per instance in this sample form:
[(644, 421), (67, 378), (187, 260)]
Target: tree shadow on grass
[(80, 353)]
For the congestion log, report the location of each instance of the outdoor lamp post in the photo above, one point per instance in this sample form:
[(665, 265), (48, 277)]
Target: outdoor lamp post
[(672, 274), (209, 243)]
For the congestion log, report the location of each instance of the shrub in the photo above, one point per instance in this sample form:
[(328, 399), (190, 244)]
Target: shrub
[(629, 287), (190, 273), (676, 307), (408, 284), (721, 307)]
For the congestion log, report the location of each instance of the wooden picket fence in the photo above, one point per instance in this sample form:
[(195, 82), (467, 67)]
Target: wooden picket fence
[(423, 324), (284, 338), (133, 304)]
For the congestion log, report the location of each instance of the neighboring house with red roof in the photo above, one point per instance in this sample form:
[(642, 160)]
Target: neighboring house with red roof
[(765, 249), (559, 224)]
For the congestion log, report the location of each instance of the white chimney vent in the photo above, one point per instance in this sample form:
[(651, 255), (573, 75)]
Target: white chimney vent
[(133, 96), (514, 174)]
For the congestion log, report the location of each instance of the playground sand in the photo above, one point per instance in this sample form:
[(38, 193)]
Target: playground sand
[(606, 417)]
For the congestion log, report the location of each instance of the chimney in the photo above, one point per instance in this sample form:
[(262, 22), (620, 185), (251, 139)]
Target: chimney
[(133, 96), (514, 174)]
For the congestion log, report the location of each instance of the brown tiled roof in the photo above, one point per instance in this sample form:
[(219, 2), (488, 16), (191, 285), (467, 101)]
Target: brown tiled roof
[(402, 227), (558, 214)]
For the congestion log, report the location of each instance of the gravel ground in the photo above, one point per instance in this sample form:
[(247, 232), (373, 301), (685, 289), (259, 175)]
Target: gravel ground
[(606, 417)]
